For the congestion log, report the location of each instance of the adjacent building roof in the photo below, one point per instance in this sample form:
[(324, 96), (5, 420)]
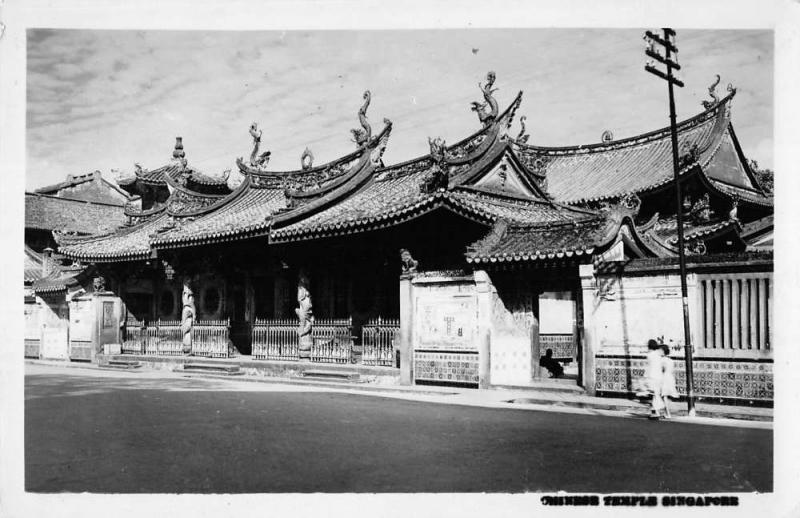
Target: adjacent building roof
[(87, 187), (45, 212), (33, 265)]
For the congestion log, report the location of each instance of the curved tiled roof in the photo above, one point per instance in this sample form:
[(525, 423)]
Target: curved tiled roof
[(127, 244), (638, 164), (511, 242)]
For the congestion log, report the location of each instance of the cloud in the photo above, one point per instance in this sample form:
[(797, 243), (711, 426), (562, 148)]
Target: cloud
[(106, 99)]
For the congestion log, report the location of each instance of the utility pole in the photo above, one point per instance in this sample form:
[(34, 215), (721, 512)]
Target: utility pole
[(670, 60)]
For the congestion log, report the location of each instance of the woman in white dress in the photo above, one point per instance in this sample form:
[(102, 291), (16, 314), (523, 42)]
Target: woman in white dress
[(653, 378), (668, 389)]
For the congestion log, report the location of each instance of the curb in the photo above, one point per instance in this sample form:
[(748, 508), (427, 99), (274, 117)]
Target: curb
[(537, 397)]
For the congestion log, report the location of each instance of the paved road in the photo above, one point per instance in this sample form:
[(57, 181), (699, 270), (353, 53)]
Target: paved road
[(138, 433)]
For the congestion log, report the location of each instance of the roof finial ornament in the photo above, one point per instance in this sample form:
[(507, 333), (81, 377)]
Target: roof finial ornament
[(485, 117), (439, 175), (307, 159), (731, 89), (258, 161), (178, 153), (712, 91), (607, 137), (522, 138), (362, 136)]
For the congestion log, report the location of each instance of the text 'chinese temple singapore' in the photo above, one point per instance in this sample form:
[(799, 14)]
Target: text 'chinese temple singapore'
[(463, 266)]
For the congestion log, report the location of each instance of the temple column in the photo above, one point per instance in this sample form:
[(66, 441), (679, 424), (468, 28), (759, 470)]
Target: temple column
[(406, 330), (588, 345), (483, 289)]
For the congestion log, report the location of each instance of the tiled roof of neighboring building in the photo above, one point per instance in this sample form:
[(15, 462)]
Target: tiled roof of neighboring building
[(87, 187), (33, 265), (44, 212)]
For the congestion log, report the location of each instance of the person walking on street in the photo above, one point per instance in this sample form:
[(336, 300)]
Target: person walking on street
[(668, 389), (653, 378)]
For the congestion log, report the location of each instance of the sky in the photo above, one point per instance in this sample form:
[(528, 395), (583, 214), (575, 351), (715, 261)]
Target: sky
[(104, 100)]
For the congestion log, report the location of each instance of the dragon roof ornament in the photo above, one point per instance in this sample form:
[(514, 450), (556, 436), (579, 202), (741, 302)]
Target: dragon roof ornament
[(523, 137), (438, 178), (712, 92), (487, 111), (362, 136), (258, 163)]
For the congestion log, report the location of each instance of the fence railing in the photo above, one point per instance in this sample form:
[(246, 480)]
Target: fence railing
[(275, 339), (735, 313), (332, 340), (165, 338), (377, 341), (134, 338), (210, 338)]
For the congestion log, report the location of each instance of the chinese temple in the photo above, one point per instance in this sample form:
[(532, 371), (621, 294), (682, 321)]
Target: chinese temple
[(462, 266)]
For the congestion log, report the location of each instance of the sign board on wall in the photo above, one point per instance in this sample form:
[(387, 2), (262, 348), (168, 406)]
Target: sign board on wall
[(81, 322), (445, 317), (556, 312)]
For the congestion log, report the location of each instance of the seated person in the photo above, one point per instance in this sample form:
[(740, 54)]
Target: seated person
[(548, 362)]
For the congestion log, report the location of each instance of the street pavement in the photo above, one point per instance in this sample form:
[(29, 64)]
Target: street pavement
[(157, 432)]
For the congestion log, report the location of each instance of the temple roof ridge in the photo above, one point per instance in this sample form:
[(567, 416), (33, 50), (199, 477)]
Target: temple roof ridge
[(719, 109)]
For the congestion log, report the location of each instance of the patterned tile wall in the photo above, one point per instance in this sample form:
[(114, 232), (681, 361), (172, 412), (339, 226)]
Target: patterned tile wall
[(448, 367), (31, 348), (712, 378), (563, 346)]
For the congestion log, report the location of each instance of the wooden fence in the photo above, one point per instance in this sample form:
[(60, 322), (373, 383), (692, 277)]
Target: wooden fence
[(377, 341)]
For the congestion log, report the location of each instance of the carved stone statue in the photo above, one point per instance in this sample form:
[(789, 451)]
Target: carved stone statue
[(487, 117), (305, 315), (187, 316), (99, 284), (258, 161), (712, 91), (408, 263), (362, 136)]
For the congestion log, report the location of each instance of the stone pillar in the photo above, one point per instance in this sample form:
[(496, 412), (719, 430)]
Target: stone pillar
[(187, 316), (484, 289), (305, 316), (588, 345), (406, 330)]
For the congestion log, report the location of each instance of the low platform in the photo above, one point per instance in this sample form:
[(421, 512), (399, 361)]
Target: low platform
[(213, 368), (303, 369), (342, 375)]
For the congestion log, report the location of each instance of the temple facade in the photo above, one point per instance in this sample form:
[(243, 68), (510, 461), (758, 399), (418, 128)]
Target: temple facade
[(463, 266)]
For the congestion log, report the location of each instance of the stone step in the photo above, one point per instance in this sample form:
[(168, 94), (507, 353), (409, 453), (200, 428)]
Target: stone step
[(560, 385), (215, 368), (122, 364), (332, 375)]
